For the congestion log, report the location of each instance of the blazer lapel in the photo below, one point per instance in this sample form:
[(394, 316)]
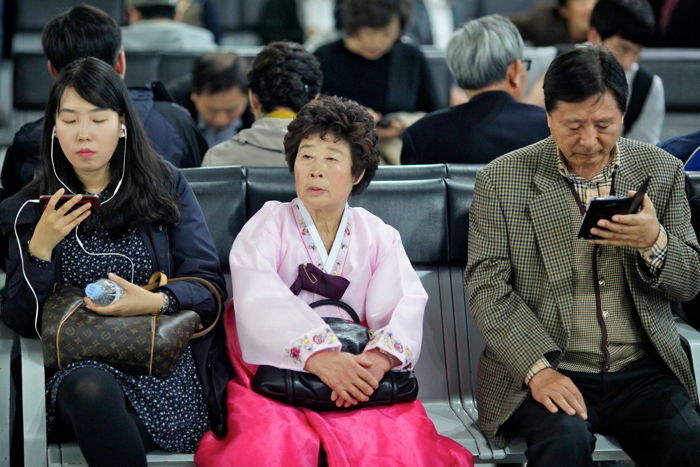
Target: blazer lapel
[(551, 222)]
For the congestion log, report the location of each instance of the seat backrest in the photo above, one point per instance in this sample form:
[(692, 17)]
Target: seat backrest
[(459, 198), (463, 172), (508, 7), (470, 342), (221, 194), (141, 68), (174, 65), (440, 74), (410, 172), (31, 81), (695, 181), (32, 15), (232, 14), (678, 69), (417, 209), (460, 190), (267, 184)]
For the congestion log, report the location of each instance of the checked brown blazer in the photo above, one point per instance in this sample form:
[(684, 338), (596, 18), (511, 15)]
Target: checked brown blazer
[(519, 268)]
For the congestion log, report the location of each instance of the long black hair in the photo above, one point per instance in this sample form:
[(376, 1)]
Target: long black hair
[(146, 193)]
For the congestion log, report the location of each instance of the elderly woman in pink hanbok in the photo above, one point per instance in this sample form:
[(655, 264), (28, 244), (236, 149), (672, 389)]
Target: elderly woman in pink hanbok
[(331, 147)]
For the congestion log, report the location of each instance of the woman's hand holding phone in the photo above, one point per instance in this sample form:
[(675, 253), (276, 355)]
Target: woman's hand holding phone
[(55, 223)]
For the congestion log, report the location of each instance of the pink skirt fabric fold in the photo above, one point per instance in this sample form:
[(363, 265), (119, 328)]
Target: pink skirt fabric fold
[(262, 431)]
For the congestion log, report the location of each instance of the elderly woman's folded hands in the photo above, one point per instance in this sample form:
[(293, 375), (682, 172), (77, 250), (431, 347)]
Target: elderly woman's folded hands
[(353, 378)]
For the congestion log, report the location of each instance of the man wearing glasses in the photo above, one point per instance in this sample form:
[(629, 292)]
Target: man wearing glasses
[(624, 27), (486, 59)]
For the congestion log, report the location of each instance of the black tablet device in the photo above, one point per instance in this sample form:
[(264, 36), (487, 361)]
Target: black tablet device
[(608, 206)]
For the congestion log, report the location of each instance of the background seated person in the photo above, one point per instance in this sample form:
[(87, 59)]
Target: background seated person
[(149, 221), (580, 336), (683, 147), (486, 59), (331, 148), (560, 22), (372, 66), (282, 78), (624, 27), (85, 31), (216, 95), (152, 27)]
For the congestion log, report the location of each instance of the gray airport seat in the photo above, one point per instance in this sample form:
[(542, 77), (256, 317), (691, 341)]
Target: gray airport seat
[(695, 180), (32, 15), (431, 214), (680, 71), (508, 7), (440, 74), (239, 19), (31, 81), (8, 347), (418, 210), (37, 452), (141, 68)]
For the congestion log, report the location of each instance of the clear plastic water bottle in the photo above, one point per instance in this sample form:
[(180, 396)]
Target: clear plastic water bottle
[(104, 292)]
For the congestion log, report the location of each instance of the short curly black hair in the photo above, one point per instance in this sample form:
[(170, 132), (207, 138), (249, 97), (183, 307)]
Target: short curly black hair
[(356, 14), (283, 74), (344, 119)]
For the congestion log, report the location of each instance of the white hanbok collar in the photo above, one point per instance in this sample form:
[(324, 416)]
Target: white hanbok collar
[(328, 259)]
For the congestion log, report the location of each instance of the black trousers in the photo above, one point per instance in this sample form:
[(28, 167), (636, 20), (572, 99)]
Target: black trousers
[(644, 406), (93, 408)]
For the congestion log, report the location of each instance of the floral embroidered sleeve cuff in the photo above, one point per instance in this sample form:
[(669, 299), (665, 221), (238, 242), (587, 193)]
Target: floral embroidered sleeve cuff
[(385, 341), (299, 350), (655, 255)]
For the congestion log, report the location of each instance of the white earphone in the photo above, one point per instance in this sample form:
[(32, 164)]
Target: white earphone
[(123, 131), (53, 132)]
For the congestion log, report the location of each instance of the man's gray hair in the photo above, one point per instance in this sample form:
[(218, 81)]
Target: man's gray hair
[(480, 52)]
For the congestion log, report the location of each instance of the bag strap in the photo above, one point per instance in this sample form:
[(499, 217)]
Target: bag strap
[(348, 309), (158, 279)]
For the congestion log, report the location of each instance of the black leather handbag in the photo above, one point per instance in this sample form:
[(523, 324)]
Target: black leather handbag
[(307, 390)]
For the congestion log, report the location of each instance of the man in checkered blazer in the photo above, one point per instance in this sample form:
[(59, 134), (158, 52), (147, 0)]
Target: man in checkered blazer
[(579, 333)]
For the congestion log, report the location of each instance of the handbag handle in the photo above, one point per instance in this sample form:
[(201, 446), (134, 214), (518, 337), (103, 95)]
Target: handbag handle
[(348, 309), (158, 279)]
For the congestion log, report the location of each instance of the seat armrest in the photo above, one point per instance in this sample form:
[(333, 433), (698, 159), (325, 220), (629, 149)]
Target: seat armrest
[(691, 341), (8, 342), (33, 402)]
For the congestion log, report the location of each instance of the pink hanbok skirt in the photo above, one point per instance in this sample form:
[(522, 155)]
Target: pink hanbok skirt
[(262, 431)]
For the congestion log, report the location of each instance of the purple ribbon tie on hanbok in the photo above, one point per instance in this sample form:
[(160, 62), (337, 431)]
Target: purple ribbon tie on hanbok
[(314, 280)]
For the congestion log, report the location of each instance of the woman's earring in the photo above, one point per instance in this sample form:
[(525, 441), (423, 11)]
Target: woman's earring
[(122, 134)]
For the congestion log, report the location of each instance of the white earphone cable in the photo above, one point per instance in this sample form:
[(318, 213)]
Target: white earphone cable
[(133, 268), (24, 274)]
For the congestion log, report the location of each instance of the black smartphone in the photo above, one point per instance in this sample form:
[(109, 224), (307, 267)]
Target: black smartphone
[(608, 206), (93, 200)]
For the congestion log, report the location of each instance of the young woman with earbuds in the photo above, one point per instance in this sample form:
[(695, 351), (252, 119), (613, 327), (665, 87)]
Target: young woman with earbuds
[(149, 221)]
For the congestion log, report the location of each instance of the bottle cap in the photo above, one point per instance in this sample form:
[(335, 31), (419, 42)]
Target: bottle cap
[(93, 291)]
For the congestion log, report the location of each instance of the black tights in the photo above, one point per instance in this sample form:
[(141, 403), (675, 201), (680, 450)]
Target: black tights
[(91, 403)]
